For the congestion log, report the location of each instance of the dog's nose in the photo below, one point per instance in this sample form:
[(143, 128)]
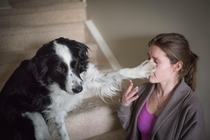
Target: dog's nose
[(77, 89)]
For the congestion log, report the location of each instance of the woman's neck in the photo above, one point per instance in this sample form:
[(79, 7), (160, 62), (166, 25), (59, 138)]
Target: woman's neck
[(165, 88)]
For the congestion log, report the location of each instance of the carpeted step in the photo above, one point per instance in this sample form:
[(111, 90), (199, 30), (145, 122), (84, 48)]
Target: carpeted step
[(18, 56), (54, 14), (118, 134), (36, 3), (25, 38), (94, 117)]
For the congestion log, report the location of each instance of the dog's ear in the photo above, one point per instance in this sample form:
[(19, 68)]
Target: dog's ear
[(83, 56), (38, 64), (38, 67)]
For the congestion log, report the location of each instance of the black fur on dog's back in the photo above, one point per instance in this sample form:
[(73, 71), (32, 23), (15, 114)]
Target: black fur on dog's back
[(21, 93)]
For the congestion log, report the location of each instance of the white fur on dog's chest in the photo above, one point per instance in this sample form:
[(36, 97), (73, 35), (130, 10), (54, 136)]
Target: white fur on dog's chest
[(64, 102), (61, 103)]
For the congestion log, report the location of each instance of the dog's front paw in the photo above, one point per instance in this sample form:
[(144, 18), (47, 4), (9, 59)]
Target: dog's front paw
[(146, 69)]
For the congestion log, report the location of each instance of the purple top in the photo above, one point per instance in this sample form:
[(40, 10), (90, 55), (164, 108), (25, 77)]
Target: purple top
[(146, 122)]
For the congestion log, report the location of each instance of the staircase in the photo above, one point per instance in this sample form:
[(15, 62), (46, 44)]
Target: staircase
[(30, 24)]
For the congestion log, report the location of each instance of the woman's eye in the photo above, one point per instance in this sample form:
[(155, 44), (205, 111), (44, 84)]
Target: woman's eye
[(156, 62)]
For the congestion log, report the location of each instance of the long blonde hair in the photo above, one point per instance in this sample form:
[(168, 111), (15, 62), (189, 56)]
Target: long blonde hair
[(177, 49)]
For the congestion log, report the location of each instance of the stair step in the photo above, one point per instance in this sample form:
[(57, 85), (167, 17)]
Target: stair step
[(18, 56), (93, 118), (54, 14), (118, 134), (36, 3), (25, 38)]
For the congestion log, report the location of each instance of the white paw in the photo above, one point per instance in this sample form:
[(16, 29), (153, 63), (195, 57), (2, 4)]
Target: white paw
[(145, 69)]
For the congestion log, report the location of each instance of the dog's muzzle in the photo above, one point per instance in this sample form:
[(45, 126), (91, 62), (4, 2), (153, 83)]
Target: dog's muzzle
[(77, 89)]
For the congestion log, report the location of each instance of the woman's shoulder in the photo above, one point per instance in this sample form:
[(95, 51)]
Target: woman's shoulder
[(190, 98), (192, 104), (193, 101)]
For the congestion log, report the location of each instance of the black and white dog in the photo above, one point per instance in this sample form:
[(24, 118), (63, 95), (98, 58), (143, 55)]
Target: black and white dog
[(38, 95)]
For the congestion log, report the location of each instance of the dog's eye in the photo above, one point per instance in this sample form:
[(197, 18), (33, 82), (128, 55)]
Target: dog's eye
[(74, 64), (59, 70)]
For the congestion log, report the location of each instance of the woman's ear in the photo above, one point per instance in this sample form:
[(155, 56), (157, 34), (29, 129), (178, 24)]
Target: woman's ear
[(178, 66)]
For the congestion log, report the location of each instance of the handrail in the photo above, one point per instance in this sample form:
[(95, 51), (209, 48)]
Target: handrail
[(103, 45)]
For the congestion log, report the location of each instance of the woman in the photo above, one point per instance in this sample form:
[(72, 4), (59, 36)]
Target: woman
[(165, 108)]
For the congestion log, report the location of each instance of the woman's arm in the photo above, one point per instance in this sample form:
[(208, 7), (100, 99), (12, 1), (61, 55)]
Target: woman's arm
[(124, 112)]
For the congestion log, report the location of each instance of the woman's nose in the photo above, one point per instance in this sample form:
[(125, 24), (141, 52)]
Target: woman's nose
[(150, 59)]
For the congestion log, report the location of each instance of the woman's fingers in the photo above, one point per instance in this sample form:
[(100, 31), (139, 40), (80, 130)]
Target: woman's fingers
[(133, 99), (129, 94), (132, 93), (129, 87)]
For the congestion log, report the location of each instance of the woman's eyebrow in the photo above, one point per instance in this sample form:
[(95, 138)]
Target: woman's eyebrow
[(152, 57), (148, 54)]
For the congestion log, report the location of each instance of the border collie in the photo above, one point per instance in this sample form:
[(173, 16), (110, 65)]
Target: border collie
[(37, 97)]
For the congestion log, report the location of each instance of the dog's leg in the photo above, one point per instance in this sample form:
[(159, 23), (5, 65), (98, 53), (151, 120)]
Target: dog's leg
[(60, 124), (106, 84), (144, 70), (40, 127), (57, 127)]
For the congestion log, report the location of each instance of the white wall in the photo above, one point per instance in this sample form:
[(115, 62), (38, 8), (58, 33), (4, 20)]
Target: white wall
[(4, 4), (127, 26)]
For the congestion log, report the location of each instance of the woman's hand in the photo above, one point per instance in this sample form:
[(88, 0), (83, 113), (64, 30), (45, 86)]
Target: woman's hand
[(129, 95)]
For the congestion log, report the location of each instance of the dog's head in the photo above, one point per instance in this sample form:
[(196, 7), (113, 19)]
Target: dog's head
[(59, 63)]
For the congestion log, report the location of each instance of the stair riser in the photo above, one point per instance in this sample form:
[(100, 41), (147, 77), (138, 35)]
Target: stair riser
[(18, 56), (92, 124), (94, 117), (119, 134), (38, 3), (45, 3), (36, 40), (39, 29), (43, 18)]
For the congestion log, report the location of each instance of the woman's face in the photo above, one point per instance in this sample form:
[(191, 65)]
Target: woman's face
[(164, 69)]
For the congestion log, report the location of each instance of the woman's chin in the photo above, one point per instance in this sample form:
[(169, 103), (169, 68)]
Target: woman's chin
[(152, 79)]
